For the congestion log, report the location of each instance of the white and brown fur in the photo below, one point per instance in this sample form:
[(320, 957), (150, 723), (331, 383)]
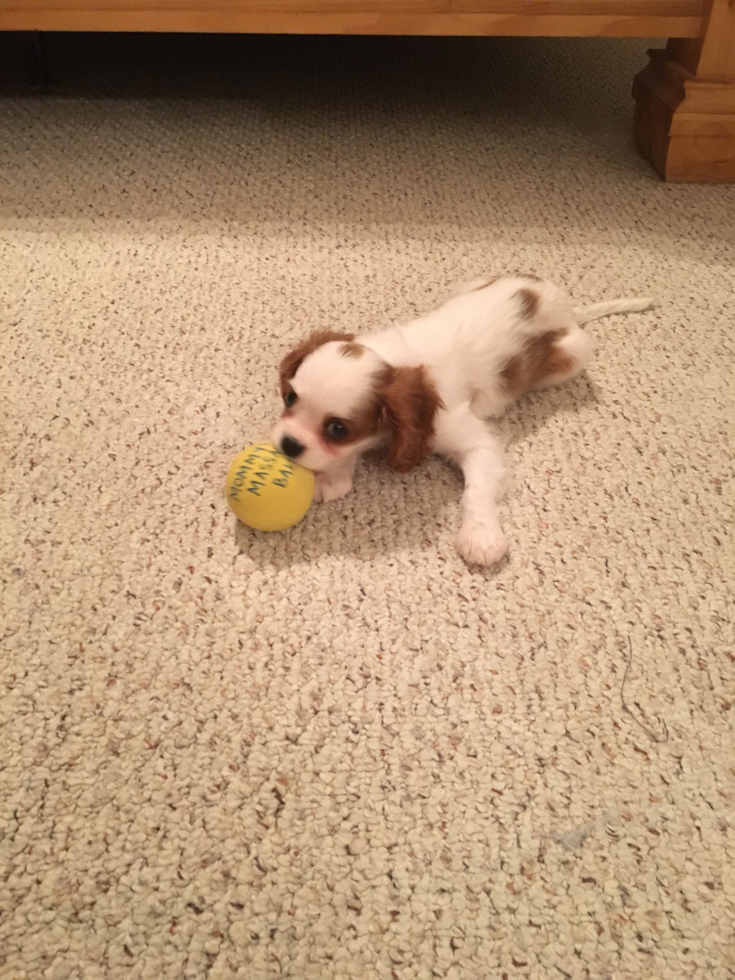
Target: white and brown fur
[(427, 386)]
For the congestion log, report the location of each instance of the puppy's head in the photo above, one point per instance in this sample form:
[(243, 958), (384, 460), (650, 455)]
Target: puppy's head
[(340, 398)]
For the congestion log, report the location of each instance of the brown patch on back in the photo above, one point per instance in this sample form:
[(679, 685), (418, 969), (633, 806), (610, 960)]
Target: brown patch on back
[(530, 302), (352, 350), (558, 363), (293, 360), (539, 361), (409, 402), (514, 375)]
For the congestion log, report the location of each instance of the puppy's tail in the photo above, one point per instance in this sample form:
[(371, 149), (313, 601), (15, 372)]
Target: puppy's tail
[(586, 313)]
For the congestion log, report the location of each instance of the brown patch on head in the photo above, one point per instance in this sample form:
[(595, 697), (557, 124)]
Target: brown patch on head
[(539, 362), (293, 360), (409, 403), (352, 350), (362, 424), (530, 302)]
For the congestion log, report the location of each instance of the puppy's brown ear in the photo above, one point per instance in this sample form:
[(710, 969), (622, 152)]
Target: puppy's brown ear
[(292, 361), (410, 402)]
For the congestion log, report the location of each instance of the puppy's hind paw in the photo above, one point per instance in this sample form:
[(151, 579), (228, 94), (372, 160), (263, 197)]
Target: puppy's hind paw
[(481, 544)]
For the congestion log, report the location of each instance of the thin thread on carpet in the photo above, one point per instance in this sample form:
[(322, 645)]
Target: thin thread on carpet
[(648, 731)]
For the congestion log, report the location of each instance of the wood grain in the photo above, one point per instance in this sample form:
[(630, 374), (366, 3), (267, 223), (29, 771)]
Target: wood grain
[(701, 153), (223, 7), (713, 53), (586, 18), (628, 8), (685, 103)]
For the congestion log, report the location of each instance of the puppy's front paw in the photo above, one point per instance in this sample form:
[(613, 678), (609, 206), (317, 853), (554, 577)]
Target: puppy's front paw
[(332, 486), (481, 543)]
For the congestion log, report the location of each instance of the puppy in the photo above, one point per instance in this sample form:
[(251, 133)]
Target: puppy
[(427, 386)]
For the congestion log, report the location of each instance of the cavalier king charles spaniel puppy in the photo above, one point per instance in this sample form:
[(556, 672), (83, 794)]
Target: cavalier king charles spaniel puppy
[(428, 385)]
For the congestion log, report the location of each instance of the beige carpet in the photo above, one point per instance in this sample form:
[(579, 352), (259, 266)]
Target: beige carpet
[(337, 752)]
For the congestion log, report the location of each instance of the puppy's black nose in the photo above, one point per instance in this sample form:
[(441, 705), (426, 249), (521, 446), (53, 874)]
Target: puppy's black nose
[(291, 447)]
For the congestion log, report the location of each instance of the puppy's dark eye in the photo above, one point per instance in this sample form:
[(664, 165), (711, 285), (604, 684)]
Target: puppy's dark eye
[(336, 430), (290, 398)]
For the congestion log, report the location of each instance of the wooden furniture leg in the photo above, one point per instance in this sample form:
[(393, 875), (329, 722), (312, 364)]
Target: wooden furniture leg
[(685, 103)]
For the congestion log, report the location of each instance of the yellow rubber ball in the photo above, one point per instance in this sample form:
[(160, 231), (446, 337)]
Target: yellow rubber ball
[(266, 490)]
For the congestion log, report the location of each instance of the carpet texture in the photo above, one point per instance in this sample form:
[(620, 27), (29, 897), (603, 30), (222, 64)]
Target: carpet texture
[(338, 752)]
